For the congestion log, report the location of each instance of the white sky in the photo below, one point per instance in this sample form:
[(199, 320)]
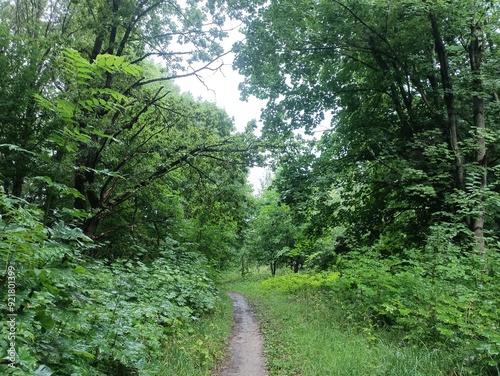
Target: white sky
[(221, 88)]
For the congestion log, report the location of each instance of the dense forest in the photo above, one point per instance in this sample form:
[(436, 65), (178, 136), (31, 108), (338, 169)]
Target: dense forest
[(123, 200)]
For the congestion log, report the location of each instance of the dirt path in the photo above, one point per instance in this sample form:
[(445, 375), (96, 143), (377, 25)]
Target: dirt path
[(245, 357)]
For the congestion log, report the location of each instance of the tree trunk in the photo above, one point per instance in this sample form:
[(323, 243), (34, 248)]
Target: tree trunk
[(475, 48), (243, 266), (17, 185), (449, 100), (273, 267)]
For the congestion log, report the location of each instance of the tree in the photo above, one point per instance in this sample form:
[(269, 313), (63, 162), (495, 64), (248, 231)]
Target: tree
[(101, 157), (101, 103), (411, 86), (271, 234), (23, 51), (401, 194)]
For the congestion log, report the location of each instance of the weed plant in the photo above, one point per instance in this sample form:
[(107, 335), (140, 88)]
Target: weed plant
[(96, 318)]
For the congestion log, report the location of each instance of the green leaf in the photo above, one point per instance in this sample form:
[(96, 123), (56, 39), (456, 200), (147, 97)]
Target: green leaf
[(85, 76), (43, 370), (17, 148), (80, 270), (110, 60), (84, 353), (119, 61)]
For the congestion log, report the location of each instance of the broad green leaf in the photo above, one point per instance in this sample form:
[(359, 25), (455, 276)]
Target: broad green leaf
[(80, 270)]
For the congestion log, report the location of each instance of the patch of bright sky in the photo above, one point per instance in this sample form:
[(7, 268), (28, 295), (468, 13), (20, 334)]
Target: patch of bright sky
[(221, 88)]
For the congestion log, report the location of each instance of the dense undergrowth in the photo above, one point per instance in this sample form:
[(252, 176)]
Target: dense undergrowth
[(445, 300), (199, 349), (429, 313), (72, 316), (331, 324)]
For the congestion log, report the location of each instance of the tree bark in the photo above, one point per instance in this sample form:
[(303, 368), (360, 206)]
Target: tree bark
[(243, 266), (17, 185), (449, 100), (475, 48)]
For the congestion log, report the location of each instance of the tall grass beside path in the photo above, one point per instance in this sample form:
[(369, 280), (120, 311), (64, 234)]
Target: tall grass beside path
[(199, 348), (305, 336)]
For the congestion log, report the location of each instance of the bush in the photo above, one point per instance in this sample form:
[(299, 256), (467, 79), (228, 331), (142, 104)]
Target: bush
[(440, 296), (445, 295), (85, 317), (301, 282)]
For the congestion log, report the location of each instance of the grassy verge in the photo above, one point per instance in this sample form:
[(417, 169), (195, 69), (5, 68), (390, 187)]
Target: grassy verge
[(307, 337), (196, 350)]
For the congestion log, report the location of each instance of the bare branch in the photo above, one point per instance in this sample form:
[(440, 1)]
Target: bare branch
[(161, 54), (193, 73)]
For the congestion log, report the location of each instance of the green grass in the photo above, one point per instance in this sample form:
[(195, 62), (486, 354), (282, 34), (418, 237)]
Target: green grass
[(196, 350), (307, 337)]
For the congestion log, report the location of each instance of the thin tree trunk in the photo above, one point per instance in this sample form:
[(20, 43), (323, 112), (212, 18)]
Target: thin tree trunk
[(273, 267), (449, 100), (243, 266), (17, 185), (475, 57)]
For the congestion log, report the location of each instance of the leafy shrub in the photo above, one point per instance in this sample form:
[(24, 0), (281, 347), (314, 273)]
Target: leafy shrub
[(445, 295), (42, 264), (301, 282), (440, 295), (88, 317), (136, 306)]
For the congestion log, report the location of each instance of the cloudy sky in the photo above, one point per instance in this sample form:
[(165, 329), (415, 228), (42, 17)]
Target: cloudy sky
[(221, 87)]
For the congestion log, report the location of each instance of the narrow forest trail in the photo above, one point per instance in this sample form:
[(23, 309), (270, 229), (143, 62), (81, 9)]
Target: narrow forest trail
[(245, 356)]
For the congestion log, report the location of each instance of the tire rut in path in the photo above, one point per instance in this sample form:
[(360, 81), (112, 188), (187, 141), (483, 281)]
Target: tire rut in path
[(245, 356)]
